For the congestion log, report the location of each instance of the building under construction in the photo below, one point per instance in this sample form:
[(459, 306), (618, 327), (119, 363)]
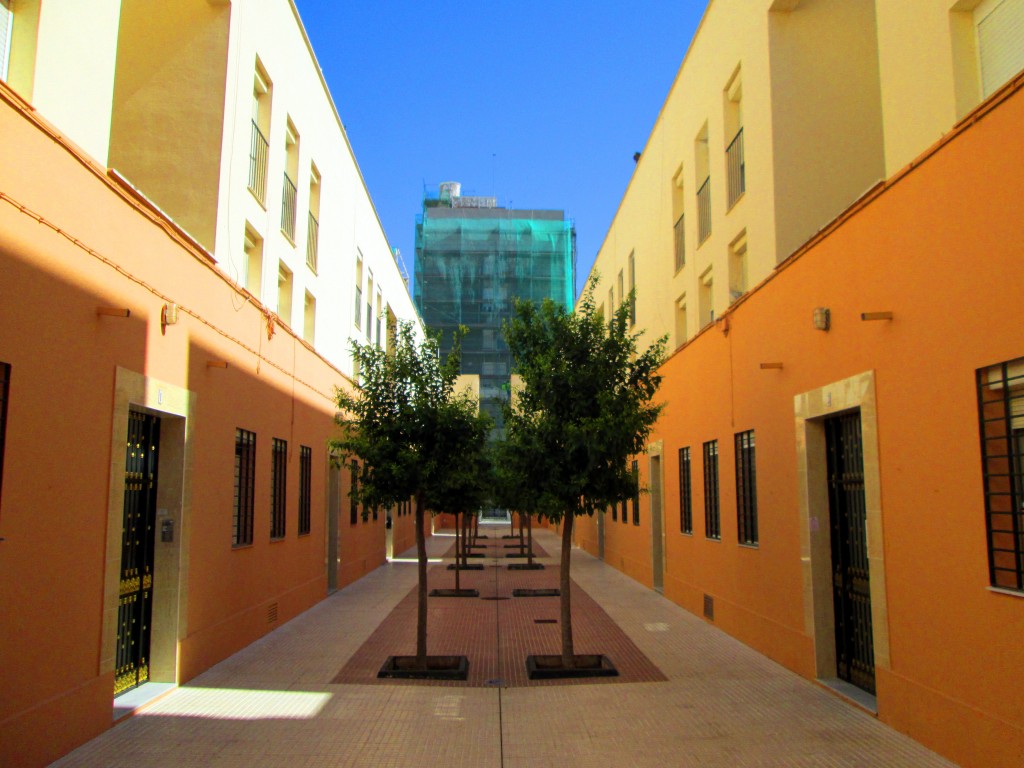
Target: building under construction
[(473, 259)]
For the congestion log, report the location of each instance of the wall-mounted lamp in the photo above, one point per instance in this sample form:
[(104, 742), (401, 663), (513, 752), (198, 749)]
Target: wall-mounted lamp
[(876, 315), (771, 366), (113, 312), (216, 363), (822, 318), (169, 314)]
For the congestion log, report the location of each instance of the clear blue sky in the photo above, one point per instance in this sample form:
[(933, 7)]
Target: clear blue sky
[(541, 104)]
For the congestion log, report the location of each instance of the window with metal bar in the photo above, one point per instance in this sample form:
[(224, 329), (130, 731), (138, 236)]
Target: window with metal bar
[(680, 241), (245, 487), (353, 508), (632, 288), (622, 512), (288, 207), (278, 488), (704, 211), (712, 519), (685, 492), (737, 168), (746, 488), (635, 468), (258, 151), (615, 513), (1001, 416), (5, 386), (305, 487), (312, 242)]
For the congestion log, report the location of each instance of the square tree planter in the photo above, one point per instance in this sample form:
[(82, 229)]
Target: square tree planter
[(438, 668), (468, 567), (455, 593), (587, 665), (525, 567), (543, 592)]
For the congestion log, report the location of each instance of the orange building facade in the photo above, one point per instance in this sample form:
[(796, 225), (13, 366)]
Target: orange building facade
[(144, 391), (784, 430)]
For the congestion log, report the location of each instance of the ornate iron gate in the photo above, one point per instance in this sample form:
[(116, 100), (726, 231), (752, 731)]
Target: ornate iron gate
[(851, 588), (135, 606)]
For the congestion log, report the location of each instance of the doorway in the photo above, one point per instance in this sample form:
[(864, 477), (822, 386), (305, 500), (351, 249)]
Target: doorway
[(657, 525), (851, 581)]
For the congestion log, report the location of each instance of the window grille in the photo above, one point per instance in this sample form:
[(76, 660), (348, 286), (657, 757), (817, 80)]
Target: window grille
[(258, 150), (712, 520), (635, 468), (737, 168), (1001, 415), (685, 492), (680, 240), (305, 487), (312, 243), (245, 487), (278, 488), (704, 211), (746, 488), (288, 208)]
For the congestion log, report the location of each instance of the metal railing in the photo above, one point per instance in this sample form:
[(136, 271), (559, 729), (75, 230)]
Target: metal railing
[(312, 242), (288, 208), (680, 238), (258, 149), (737, 168), (704, 211)]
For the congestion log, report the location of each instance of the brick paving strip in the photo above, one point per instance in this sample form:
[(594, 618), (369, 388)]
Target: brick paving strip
[(497, 631)]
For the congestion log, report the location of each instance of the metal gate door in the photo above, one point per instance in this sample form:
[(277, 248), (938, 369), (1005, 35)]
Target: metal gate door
[(851, 588), (135, 606)]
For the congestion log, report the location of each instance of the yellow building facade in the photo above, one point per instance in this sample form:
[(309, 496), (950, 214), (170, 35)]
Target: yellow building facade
[(782, 114)]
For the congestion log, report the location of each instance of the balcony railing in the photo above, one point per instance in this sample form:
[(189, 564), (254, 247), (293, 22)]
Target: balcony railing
[(680, 244), (737, 168), (258, 163), (288, 208), (704, 211), (312, 242)]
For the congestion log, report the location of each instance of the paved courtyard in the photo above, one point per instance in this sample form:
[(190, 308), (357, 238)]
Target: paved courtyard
[(306, 695)]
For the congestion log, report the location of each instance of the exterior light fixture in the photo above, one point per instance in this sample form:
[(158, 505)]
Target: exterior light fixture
[(169, 314), (771, 366), (822, 318), (876, 315), (113, 312)]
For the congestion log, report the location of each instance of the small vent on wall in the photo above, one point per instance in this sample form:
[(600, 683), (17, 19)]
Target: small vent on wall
[(272, 613), (709, 607)]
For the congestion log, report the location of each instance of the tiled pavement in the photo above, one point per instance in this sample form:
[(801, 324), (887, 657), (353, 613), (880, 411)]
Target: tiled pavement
[(715, 702)]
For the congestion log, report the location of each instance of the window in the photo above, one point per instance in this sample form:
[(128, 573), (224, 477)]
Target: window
[(746, 488), (278, 488), (305, 486), (712, 522), (291, 173), (707, 297), (1000, 26), (615, 512), (6, 23), (632, 288), (378, 317), (703, 170), (285, 288), (735, 163), (369, 307), (5, 381), (258, 145), (621, 287), (245, 487), (309, 319), (1001, 415), (636, 494), (313, 225), (681, 320), (679, 228), (685, 492), (738, 267), (253, 267), (353, 509), (625, 518), (359, 288)]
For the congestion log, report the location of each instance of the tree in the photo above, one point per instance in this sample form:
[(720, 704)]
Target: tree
[(585, 409), (408, 429)]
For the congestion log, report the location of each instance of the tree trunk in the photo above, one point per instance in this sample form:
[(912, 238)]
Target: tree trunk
[(458, 565), (529, 540), (521, 543), (568, 653), (421, 602)]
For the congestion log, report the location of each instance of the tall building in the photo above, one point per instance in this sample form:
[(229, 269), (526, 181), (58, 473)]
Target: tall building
[(817, 220), (473, 260), (187, 249)]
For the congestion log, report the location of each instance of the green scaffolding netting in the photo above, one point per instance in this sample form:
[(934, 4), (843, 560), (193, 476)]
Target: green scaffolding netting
[(472, 263)]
